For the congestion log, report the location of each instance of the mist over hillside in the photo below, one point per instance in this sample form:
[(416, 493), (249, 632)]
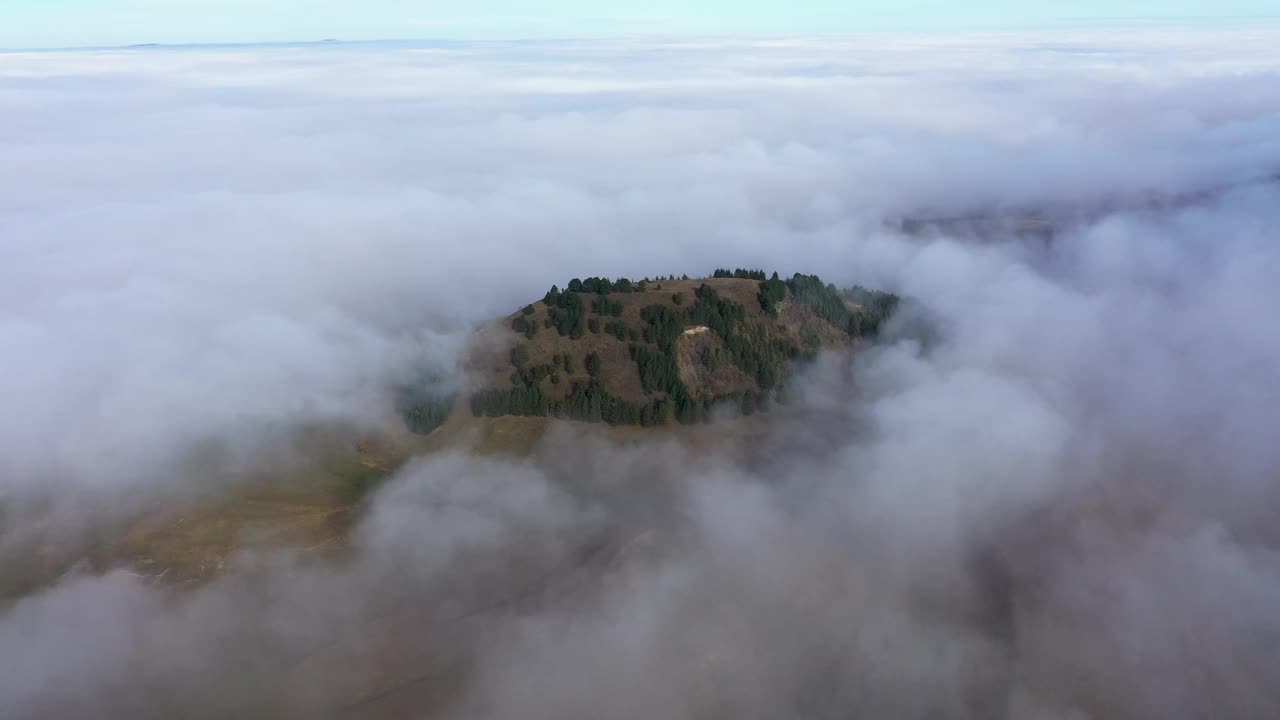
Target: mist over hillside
[(1060, 503)]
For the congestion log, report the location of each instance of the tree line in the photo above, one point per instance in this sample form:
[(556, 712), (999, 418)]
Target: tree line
[(877, 307), (829, 303), (740, 273), (604, 286), (825, 300), (588, 402)]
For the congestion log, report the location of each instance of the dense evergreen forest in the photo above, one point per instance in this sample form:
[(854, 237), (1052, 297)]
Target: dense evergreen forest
[(652, 347)]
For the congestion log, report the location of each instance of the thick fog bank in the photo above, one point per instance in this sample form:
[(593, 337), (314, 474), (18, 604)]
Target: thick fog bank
[(1064, 504)]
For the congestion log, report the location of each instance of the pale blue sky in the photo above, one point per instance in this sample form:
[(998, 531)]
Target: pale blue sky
[(62, 23)]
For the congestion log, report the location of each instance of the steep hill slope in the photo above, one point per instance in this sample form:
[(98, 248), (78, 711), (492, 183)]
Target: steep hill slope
[(653, 351)]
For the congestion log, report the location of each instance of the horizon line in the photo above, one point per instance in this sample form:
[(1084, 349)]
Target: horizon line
[(1216, 22)]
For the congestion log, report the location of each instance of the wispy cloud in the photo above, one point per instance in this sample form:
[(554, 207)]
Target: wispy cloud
[(1062, 505)]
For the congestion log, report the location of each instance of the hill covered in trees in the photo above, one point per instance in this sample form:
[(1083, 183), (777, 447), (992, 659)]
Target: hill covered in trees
[(657, 351)]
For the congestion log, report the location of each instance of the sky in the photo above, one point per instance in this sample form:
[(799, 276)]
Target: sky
[(80, 23)]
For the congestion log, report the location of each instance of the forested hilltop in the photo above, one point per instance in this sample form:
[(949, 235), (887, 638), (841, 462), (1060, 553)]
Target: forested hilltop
[(659, 350)]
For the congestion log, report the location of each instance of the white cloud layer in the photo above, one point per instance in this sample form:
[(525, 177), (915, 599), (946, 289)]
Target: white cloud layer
[(204, 245)]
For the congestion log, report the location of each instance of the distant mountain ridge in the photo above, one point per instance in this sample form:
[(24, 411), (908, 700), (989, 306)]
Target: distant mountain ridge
[(1047, 222)]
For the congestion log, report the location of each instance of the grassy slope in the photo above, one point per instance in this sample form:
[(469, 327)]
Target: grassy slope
[(619, 377), (310, 511), (308, 505), (311, 507)]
